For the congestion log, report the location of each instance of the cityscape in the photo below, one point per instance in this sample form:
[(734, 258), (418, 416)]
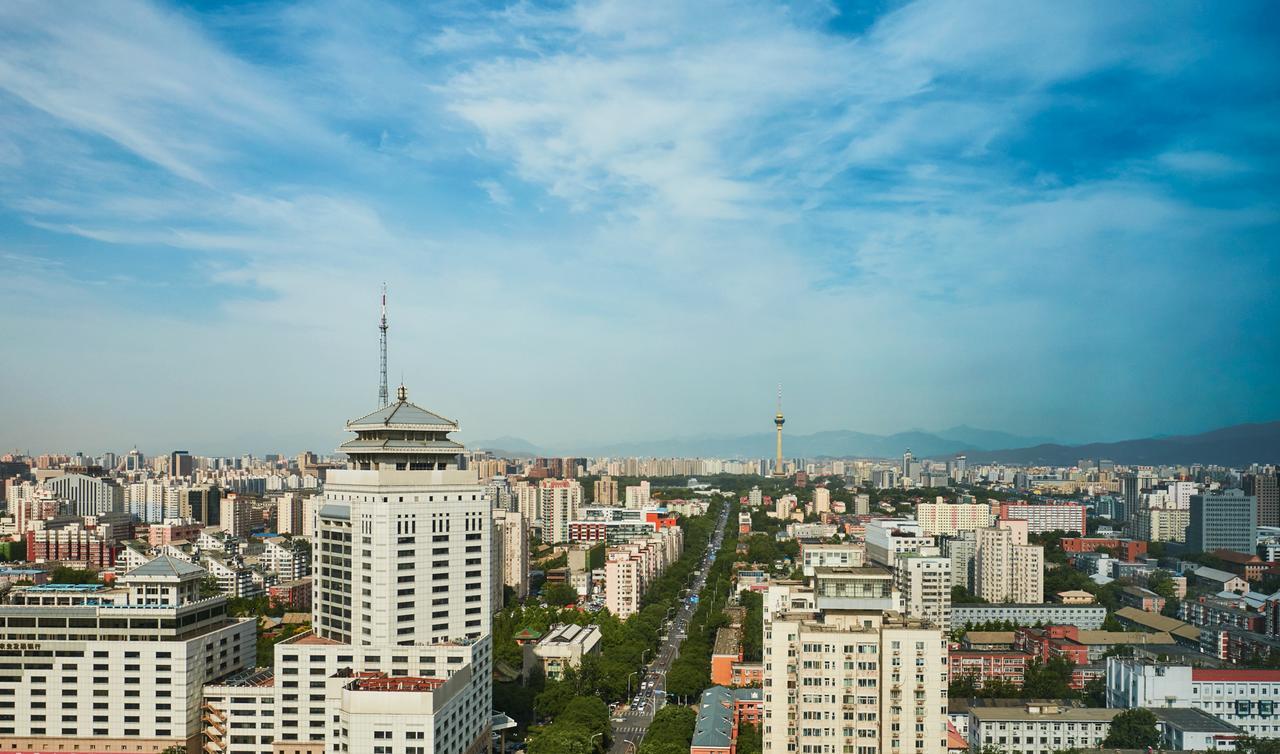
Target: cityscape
[(607, 377)]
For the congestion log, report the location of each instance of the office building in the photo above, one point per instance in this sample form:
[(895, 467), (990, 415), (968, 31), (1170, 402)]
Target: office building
[(1225, 520), (116, 668), (86, 495), (401, 593), (1248, 699), (1038, 727), (1265, 487)]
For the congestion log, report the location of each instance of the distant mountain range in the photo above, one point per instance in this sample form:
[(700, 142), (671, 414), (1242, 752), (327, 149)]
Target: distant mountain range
[(837, 443), (1237, 446)]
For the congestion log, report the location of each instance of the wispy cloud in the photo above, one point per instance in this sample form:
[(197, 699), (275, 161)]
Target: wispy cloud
[(966, 210)]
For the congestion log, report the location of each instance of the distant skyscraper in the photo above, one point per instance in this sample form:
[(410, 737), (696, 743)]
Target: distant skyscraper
[(1227, 520), (181, 464), (1265, 486), (779, 468)]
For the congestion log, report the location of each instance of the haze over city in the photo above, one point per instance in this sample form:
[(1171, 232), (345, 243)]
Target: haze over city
[(605, 222)]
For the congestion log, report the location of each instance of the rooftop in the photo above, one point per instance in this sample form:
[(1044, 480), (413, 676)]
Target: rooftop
[(166, 565), (1235, 674), (1043, 710), (1192, 719), (728, 641), (402, 415)]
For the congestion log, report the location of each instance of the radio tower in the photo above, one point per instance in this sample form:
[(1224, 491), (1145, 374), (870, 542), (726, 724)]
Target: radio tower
[(383, 397), (779, 469)]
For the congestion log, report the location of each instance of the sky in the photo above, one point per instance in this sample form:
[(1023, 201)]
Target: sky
[(613, 221)]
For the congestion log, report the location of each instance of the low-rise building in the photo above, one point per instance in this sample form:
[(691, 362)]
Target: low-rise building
[(563, 647), (725, 654), (1248, 699), (1088, 617), (1038, 727), (721, 712)]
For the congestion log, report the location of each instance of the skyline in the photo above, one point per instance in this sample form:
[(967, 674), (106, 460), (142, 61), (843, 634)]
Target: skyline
[(604, 224)]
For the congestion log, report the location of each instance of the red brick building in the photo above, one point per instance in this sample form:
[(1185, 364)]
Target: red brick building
[(70, 544), (294, 595), (985, 665), (1127, 550)]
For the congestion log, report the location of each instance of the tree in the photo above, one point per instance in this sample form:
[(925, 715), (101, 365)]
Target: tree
[(1048, 680), (962, 596), (749, 739), (560, 594), (66, 575), (558, 739), (1133, 729), (555, 697)]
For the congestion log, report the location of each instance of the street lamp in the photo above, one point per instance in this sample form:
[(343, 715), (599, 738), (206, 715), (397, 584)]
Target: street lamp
[(642, 654), (593, 737), (629, 682)]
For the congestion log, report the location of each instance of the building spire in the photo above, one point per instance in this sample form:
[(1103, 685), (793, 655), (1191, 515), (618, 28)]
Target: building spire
[(779, 468), (384, 397)]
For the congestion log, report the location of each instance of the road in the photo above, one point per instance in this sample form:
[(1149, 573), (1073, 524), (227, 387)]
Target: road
[(628, 728)]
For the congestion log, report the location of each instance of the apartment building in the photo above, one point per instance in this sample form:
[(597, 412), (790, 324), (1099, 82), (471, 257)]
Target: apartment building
[(824, 555), (1042, 518), (887, 538), (949, 519), (859, 681), (559, 500), (924, 583), (1006, 568)]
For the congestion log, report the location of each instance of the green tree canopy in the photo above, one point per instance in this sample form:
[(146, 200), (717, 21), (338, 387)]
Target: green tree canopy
[(1133, 729)]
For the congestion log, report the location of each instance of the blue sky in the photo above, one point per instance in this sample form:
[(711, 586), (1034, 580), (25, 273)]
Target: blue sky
[(608, 221)]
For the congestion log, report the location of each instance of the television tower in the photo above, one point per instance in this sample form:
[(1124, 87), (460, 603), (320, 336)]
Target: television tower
[(779, 470), (384, 397)]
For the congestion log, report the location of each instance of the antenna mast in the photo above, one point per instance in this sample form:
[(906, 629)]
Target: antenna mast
[(383, 396)]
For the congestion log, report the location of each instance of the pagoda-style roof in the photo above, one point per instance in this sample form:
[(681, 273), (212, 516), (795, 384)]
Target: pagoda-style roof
[(404, 415), (413, 447)]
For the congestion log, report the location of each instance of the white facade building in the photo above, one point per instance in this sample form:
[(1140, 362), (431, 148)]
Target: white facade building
[(115, 668), (402, 589)]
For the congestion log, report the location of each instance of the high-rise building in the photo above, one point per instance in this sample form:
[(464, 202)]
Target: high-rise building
[(1225, 520), (560, 500), (605, 491), (86, 495), (924, 581), (1265, 486), (514, 565), (401, 593), (821, 500), (181, 464), (862, 682), (234, 515), (289, 513), (952, 518), (637, 496), (1006, 568)]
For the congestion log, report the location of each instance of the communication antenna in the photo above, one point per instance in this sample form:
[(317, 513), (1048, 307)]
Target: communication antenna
[(384, 397)]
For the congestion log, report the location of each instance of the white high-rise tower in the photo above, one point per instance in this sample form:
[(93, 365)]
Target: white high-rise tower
[(401, 609)]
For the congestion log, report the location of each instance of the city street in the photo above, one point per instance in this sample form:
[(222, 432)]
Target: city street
[(628, 729)]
